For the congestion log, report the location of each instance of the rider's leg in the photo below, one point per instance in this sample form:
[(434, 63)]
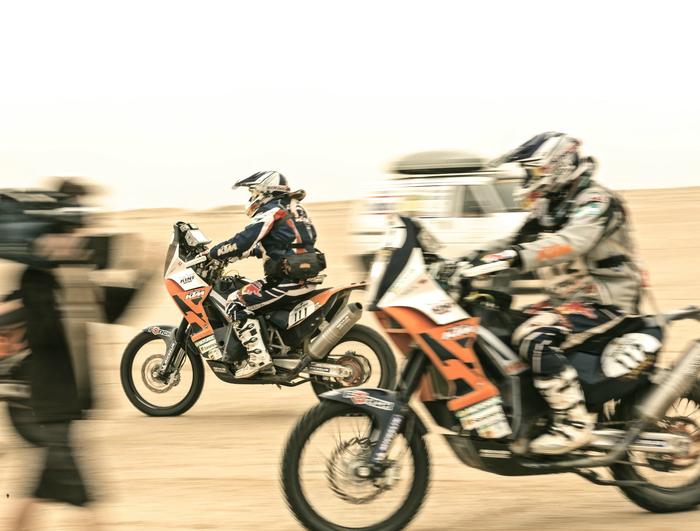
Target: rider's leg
[(243, 303), (540, 339), (247, 329)]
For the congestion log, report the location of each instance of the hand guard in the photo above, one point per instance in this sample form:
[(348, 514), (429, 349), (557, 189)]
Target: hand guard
[(485, 264)]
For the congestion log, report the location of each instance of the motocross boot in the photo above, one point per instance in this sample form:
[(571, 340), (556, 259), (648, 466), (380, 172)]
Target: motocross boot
[(248, 332), (572, 425)]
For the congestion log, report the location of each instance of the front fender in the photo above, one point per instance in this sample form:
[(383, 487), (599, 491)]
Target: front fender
[(382, 404)]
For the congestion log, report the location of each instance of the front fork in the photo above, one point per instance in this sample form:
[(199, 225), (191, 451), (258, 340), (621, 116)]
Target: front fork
[(175, 354), (407, 384)]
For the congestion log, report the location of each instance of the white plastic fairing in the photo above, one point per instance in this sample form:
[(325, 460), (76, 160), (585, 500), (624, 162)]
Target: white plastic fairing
[(427, 239), (188, 279), (414, 288), (376, 272)]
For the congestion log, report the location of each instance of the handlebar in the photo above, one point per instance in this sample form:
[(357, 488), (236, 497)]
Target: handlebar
[(197, 260), (480, 270), (691, 312)]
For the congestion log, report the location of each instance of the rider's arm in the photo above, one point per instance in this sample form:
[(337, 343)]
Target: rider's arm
[(592, 213), (526, 232), (249, 237)]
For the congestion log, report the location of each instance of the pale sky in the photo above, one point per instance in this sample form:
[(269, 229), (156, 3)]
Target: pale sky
[(167, 103)]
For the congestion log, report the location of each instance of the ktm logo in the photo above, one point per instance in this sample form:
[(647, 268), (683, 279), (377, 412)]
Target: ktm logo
[(195, 294), (457, 331)]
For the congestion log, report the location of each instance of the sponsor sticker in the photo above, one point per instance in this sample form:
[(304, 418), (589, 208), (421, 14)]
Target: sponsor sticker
[(187, 279), (590, 210), (158, 331), (486, 417), (252, 289), (457, 331), (394, 425), (362, 398), (442, 307)]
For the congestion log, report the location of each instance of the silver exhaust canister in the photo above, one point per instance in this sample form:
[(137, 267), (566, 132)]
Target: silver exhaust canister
[(341, 323), (679, 380)]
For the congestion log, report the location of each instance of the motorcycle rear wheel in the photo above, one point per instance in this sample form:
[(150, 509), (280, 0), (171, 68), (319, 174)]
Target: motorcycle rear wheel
[(373, 348), (661, 498)]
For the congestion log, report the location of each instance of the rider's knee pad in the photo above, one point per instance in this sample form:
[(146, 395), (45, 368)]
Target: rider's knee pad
[(541, 347)]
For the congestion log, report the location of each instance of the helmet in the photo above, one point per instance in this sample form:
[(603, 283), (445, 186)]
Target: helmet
[(552, 161), (263, 186)]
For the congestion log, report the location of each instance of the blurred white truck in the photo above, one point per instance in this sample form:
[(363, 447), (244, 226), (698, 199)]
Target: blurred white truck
[(461, 200)]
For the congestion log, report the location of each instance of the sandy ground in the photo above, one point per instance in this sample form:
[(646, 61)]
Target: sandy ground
[(217, 467)]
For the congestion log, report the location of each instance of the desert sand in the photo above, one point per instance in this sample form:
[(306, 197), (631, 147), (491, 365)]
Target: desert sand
[(217, 467)]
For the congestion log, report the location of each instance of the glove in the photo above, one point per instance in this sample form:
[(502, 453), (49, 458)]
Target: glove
[(473, 256)]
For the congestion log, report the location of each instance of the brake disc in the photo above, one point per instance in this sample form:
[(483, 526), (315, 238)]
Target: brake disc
[(358, 365), (151, 378), (341, 472), (680, 426)]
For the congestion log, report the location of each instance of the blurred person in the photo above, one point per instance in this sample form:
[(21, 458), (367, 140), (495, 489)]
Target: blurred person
[(12, 326), (282, 233), (59, 296), (580, 228), (56, 398)]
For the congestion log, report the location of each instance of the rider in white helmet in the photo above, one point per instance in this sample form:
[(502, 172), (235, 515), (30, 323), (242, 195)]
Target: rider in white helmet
[(578, 230), (280, 228)]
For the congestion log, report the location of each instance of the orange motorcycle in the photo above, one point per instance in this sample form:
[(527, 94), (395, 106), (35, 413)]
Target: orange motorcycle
[(314, 338), (358, 460)]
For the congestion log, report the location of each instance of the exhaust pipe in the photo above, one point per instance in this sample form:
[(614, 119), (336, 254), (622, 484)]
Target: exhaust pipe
[(680, 379), (343, 321)]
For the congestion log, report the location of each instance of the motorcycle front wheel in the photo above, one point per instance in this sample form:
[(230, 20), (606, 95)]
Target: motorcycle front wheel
[(148, 393), (320, 476)]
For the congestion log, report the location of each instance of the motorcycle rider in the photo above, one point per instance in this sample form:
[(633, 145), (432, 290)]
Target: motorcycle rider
[(579, 228), (282, 233)]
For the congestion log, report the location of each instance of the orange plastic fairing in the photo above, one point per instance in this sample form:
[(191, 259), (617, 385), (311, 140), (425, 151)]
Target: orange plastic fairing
[(449, 347), (190, 303)]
